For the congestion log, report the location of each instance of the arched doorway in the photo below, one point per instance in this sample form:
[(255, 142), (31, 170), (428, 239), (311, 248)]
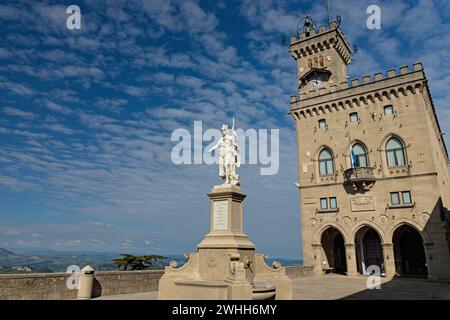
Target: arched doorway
[(409, 252), (334, 250), (369, 251)]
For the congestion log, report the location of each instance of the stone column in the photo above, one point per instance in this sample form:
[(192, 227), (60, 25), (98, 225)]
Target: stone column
[(429, 253), (389, 259), (350, 255), (317, 251)]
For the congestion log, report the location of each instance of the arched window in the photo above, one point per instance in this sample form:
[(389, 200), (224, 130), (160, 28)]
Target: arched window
[(315, 63), (395, 153), (326, 162), (360, 155), (321, 62)]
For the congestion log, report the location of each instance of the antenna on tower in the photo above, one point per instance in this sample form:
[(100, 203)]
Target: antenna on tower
[(338, 20), (355, 52), (338, 17), (328, 11), (283, 39)]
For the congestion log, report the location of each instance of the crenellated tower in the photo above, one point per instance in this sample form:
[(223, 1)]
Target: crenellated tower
[(322, 56)]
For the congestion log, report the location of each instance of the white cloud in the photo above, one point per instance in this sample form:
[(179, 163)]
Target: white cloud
[(37, 235), (12, 232), (5, 53), (135, 91), (190, 81), (97, 224), (57, 127), (18, 113), (69, 243), (17, 88), (179, 16), (113, 105), (57, 107), (127, 244), (29, 244)]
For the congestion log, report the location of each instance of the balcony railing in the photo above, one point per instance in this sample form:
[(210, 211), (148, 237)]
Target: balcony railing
[(360, 177), (359, 174)]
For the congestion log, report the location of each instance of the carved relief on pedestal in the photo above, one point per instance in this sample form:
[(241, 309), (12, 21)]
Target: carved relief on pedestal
[(212, 263)]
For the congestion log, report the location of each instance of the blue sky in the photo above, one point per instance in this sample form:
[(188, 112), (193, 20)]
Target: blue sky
[(86, 115)]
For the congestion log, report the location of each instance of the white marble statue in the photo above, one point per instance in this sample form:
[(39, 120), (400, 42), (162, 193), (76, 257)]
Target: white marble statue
[(229, 158)]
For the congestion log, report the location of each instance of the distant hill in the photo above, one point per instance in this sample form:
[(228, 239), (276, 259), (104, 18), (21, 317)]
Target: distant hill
[(52, 261), (58, 261), (4, 253), (286, 262)]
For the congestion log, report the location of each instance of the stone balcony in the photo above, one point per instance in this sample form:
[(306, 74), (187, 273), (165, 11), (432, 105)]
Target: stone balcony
[(361, 178)]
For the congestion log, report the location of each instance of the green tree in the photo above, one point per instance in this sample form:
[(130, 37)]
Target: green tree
[(131, 262)]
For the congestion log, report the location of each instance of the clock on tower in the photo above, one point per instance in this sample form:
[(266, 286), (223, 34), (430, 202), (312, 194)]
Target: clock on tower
[(315, 78)]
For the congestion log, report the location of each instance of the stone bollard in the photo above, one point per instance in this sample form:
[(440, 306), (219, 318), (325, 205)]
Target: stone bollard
[(86, 283)]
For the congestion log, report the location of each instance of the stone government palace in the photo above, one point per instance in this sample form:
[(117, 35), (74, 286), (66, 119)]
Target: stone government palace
[(373, 165)]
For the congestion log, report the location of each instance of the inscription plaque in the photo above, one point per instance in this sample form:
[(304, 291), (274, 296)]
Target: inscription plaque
[(365, 203), (220, 216)]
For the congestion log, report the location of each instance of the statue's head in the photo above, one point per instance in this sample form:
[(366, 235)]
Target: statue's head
[(224, 129)]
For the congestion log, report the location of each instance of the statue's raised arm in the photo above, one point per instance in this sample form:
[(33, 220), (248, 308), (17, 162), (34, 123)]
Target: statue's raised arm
[(215, 146)]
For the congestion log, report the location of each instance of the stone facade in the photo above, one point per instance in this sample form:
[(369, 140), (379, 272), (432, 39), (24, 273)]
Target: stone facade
[(389, 206)]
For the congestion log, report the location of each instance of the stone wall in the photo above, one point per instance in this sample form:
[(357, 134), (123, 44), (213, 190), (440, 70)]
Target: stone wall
[(52, 286), (299, 271)]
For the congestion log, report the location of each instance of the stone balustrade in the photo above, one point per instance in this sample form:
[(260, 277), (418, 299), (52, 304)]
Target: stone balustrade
[(52, 286)]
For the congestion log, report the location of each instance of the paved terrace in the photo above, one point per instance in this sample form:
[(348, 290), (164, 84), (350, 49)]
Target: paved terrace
[(333, 286)]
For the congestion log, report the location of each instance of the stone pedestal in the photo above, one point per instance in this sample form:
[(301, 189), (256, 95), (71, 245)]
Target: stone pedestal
[(226, 220), (225, 266)]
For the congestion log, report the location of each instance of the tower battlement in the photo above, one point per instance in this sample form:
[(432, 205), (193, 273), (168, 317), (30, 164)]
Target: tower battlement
[(302, 36), (322, 55), (307, 43), (378, 78), (390, 73)]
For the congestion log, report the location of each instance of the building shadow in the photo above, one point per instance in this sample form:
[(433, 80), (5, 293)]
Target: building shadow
[(405, 288), (96, 289)]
